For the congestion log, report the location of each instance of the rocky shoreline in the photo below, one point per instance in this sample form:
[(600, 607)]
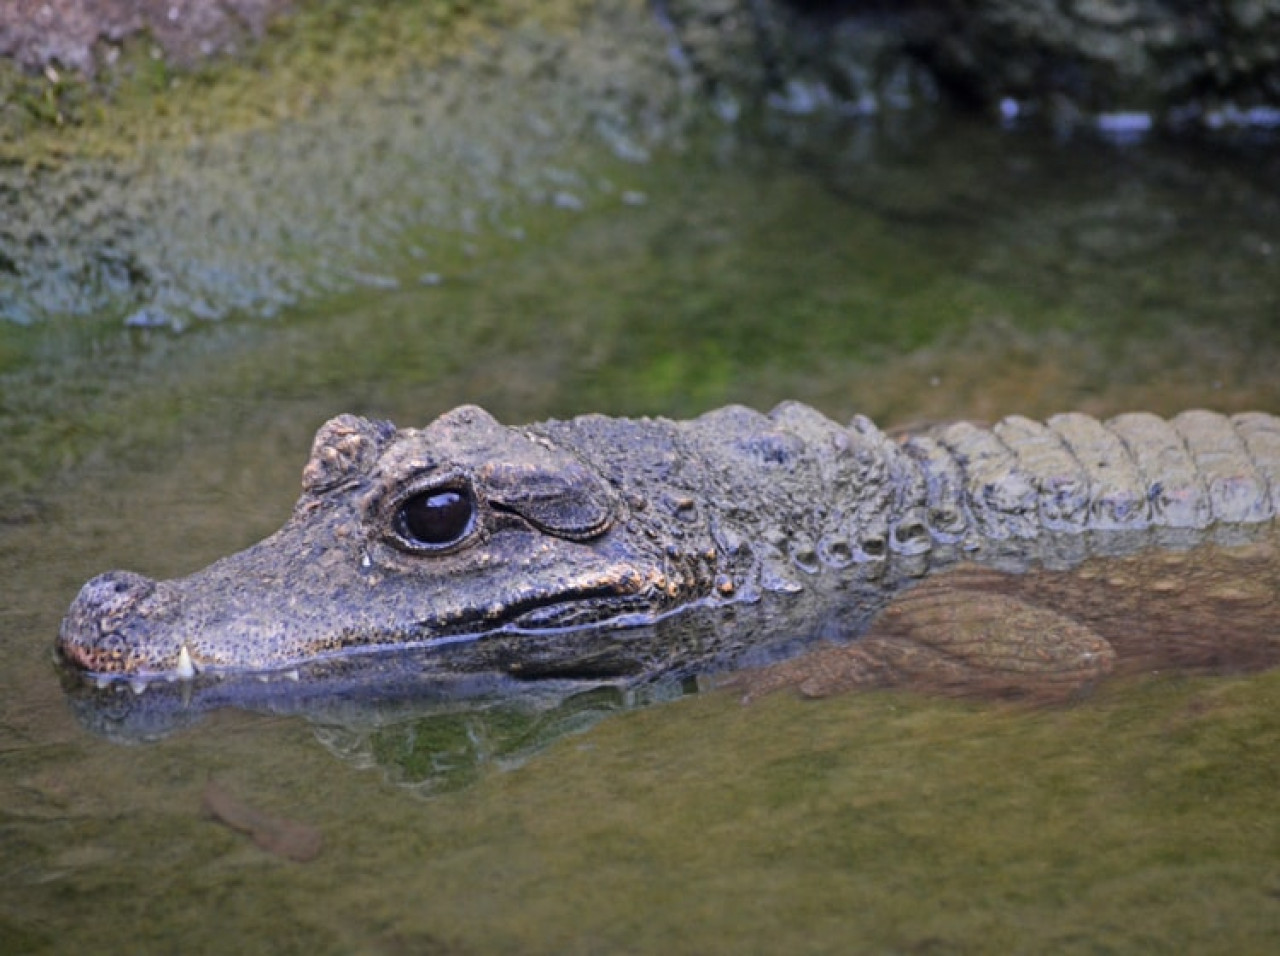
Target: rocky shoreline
[(85, 35), (1161, 57), (168, 162)]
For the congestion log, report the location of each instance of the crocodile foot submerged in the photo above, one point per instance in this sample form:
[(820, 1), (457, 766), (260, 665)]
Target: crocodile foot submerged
[(1048, 636), (553, 550)]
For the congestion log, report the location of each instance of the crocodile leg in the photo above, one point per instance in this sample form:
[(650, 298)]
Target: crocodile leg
[(1048, 635), (952, 634)]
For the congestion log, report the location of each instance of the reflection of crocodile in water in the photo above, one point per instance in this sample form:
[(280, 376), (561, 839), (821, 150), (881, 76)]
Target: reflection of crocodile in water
[(553, 550)]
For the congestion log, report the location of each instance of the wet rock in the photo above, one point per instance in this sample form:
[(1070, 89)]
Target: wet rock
[(79, 34), (799, 58), (1211, 62)]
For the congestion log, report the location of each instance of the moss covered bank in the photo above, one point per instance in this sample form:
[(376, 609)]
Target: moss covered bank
[(165, 163)]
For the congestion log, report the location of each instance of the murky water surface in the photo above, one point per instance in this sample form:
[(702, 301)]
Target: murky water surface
[(909, 273)]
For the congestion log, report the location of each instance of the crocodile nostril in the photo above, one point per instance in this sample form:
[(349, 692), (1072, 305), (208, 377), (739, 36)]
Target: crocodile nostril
[(109, 594), (95, 634)]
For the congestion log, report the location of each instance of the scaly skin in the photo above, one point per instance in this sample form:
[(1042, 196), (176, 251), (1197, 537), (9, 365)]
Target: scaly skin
[(559, 540)]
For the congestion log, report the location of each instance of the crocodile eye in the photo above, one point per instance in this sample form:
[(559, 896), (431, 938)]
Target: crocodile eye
[(435, 518)]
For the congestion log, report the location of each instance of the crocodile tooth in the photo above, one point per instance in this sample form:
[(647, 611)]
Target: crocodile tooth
[(138, 686), (293, 675), (186, 670), (102, 683)]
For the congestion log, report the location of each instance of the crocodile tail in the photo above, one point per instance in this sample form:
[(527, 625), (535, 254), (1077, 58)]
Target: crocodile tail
[(1021, 479)]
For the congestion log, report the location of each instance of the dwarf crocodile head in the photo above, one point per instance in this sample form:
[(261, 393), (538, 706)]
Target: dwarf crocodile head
[(409, 538)]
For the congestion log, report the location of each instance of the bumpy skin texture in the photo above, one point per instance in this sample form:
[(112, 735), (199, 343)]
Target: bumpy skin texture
[(577, 531)]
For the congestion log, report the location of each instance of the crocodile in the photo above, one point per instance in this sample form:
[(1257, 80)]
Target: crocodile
[(565, 549)]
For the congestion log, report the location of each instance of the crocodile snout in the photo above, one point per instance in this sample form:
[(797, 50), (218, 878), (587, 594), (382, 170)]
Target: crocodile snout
[(109, 628)]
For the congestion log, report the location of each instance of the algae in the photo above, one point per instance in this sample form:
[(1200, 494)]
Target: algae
[(165, 197), (144, 99), (245, 187)]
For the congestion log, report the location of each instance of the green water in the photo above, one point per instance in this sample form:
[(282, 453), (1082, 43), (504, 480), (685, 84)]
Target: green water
[(936, 270)]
